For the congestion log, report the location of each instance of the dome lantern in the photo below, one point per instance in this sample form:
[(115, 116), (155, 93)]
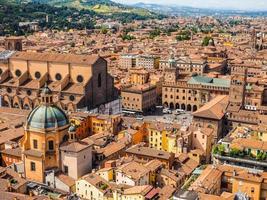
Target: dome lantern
[(46, 95)]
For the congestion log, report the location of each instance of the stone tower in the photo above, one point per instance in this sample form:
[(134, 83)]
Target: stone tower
[(237, 87), (171, 75)]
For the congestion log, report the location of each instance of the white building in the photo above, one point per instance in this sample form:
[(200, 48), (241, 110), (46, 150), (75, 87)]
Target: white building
[(76, 157), (92, 187), (132, 174)]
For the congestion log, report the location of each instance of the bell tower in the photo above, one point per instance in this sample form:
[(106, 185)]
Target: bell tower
[(171, 75)]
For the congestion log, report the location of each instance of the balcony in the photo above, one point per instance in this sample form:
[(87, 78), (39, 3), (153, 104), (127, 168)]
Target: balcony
[(246, 160), (50, 152)]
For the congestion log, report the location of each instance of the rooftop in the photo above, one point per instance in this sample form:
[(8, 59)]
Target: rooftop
[(203, 80)]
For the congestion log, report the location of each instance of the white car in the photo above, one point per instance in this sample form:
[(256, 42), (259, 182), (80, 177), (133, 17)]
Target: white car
[(139, 117), (179, 111), (167, 111)]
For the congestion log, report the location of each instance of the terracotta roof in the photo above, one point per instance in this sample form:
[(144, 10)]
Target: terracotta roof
[(215, 109), (143, 190), (166, 192), (249, 143), (66, 179), (13, 152), (153, 165), (133, 170), (146, 151), (56, 57), (96, 181), (17, 196), (11, 134), (34, 153), (206, 180), (76, 146)]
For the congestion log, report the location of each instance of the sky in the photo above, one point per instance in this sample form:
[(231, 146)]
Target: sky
[(232, 4)]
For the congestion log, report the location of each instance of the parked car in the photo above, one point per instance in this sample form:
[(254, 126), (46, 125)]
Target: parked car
[(167, 111), (139, 117), (179, 111)]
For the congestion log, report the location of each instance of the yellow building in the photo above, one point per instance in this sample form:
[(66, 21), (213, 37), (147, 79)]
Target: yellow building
[(102, 123), (168, 137), (217, 178), (139, 76), (106, 173), (247, 183), (46, 128)]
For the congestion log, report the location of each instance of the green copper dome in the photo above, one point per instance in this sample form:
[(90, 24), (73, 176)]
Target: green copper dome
[(47, 117)]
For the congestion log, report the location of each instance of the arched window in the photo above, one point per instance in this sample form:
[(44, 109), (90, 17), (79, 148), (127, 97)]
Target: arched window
[(18, 46), (99, 81), (51, 145)]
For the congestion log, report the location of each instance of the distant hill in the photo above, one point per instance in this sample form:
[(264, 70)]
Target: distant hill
[(177, 10), (64, 14), (13, 13), (106, 7)]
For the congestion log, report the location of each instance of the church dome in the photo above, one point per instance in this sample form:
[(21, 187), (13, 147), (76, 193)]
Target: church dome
[(47, 117)]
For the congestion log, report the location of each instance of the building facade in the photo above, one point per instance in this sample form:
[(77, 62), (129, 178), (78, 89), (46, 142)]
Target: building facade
[(76, 81), (139, 98)]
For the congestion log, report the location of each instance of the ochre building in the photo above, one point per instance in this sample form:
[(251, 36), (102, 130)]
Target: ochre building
[(77, 81)]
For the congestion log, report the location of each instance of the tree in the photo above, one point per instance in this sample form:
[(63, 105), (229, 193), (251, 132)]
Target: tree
[(218, 149), (127, 37), (206, 40), (234, 152), (104, 30), (154, 33)]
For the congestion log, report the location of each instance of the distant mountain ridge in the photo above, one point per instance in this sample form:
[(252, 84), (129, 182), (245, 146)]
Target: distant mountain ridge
[(99, 6), (192, 11)]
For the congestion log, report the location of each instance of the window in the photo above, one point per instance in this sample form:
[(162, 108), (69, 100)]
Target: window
[(99, 81), (29, 92), (18, 73), (58, 77), (51, 145), (66, 169), (35, 144), (33, 168), (72, 98), (9, 90), (37, 75), (80, 78)]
